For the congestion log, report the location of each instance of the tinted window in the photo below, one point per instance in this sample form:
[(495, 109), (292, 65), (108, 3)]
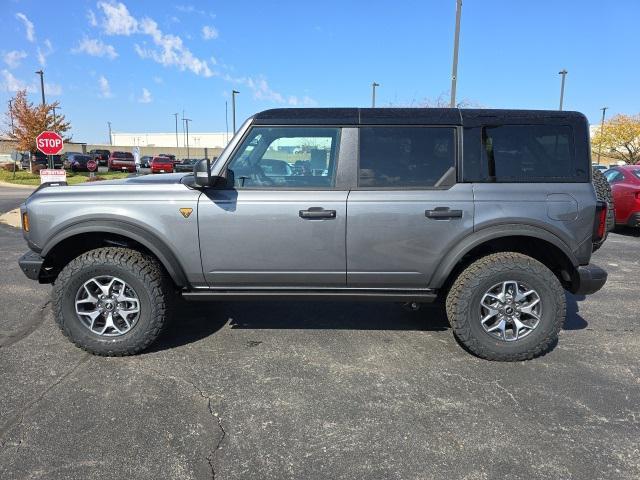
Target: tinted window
[(526, 153), (405, 156), (286, 157), (613, 176)]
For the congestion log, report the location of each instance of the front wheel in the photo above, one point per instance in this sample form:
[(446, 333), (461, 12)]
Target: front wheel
[(112, 301), (506, 306)]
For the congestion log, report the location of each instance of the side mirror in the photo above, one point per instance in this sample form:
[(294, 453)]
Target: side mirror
[(203, 177)]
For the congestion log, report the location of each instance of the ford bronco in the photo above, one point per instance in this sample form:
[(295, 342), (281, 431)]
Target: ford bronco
[(490, 211)]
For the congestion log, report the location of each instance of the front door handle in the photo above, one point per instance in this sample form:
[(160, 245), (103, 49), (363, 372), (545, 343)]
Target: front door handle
[(314, 213), (442, 213)]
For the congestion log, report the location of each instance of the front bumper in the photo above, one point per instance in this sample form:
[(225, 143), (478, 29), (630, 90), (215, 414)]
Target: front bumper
[(588, 279), (31, 264)]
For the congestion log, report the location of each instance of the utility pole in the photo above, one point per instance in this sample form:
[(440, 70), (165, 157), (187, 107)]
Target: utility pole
[(110, 141), (226, 121), (186, 122), (562, 72), (604, 109), (177, 147), (456, 45), (13, 130), (233, 108), (373, 94), (54, 116)]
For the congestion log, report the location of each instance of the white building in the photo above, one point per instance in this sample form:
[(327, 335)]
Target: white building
[(196, 140)]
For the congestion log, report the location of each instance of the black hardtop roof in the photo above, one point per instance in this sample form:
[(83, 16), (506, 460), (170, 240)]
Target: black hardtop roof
[(408, 116)]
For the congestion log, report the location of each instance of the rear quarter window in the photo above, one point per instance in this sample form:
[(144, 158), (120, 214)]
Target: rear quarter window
[(523, 153)]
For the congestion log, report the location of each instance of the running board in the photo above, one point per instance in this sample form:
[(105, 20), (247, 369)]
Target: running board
[(421, 296)]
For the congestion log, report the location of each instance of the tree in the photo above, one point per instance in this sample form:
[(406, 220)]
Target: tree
[(619, 139), (29, 120)]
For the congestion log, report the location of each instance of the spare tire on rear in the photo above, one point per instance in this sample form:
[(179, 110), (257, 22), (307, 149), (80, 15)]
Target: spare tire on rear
[(603, 193)]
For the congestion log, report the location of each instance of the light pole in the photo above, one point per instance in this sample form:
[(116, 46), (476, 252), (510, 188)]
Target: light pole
[(186, 123), (177, 147), (456, 45), (41, 73), (562, 72), (604, 109), (233, 108), (373, 94), (226, 122), (110, 141)]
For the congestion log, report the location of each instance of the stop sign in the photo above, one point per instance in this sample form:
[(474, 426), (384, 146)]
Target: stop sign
[(49, 143), (92, 165)]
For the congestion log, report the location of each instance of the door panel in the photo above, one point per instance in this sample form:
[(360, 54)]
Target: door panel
[(396, 239), (260, 238)]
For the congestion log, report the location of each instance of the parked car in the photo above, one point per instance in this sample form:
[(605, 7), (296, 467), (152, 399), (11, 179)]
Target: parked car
[(161, 165), (41, 160), (145, 162), (78, 162), (625, 186), (170, 156), (123, 161), (100, 156), (391, 209), (185, 165), (602, 168)]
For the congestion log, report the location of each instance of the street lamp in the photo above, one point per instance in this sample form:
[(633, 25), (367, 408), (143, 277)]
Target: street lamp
[(562, 72), (110, 141), (186, 123), (373, 94), (233, 108), (41, 73), (604, 109), (456, 45), (177, 147)]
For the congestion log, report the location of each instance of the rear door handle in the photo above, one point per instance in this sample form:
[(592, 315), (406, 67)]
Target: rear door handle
[(316, 213), (442, 213)]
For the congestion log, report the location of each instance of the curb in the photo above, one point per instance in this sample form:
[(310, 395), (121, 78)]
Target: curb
[(11, 218), (15, 185)]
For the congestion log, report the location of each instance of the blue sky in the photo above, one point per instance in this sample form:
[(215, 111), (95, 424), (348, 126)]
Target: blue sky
[(136, 63)]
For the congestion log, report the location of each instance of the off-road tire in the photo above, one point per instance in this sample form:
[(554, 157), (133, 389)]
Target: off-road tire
[(603, 193), (142, 272), (464, 297)]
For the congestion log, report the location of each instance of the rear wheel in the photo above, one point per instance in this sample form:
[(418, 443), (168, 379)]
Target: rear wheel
[(506, 306), (112, 301)]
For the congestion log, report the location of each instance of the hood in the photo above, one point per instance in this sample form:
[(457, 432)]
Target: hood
[(163, 179)]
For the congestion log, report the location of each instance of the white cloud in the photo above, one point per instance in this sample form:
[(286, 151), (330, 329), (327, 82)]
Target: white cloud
[(146, 96), (118, 20), (209, 33), (12, 84), (172, 51), (158, 80), (43, 54), (93, 21), (28, 25), (305, 101), (95, 48), (105, 88), (14, 57)]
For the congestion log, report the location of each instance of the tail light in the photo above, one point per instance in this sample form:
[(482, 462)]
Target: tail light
[(600, 224)]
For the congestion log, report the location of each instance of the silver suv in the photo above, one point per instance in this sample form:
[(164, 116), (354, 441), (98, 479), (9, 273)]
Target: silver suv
[(491, 211)]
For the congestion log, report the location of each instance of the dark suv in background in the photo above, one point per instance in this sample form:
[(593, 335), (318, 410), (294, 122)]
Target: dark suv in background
[(100, 156)]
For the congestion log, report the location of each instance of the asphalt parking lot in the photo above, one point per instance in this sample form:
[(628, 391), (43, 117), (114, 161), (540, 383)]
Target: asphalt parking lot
[(321, 390)]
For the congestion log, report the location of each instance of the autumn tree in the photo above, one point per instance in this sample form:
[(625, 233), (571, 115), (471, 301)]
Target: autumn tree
[(29, 120), (619, 139)]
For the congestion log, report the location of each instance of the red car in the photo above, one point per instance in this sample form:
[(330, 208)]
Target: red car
[(625, 186), (122, 161), (161, 165)]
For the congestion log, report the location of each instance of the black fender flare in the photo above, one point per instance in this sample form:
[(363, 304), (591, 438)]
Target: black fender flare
[(128, 230), (453, 257)]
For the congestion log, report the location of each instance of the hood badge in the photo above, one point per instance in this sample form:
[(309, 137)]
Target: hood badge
[(186, 212)]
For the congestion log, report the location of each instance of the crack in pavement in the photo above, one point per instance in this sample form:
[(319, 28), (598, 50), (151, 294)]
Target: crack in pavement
[(35, 321), (18, 419), (214, 415)]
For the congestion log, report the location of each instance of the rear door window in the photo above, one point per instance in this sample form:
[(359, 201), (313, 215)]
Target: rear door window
[(405, 157)]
